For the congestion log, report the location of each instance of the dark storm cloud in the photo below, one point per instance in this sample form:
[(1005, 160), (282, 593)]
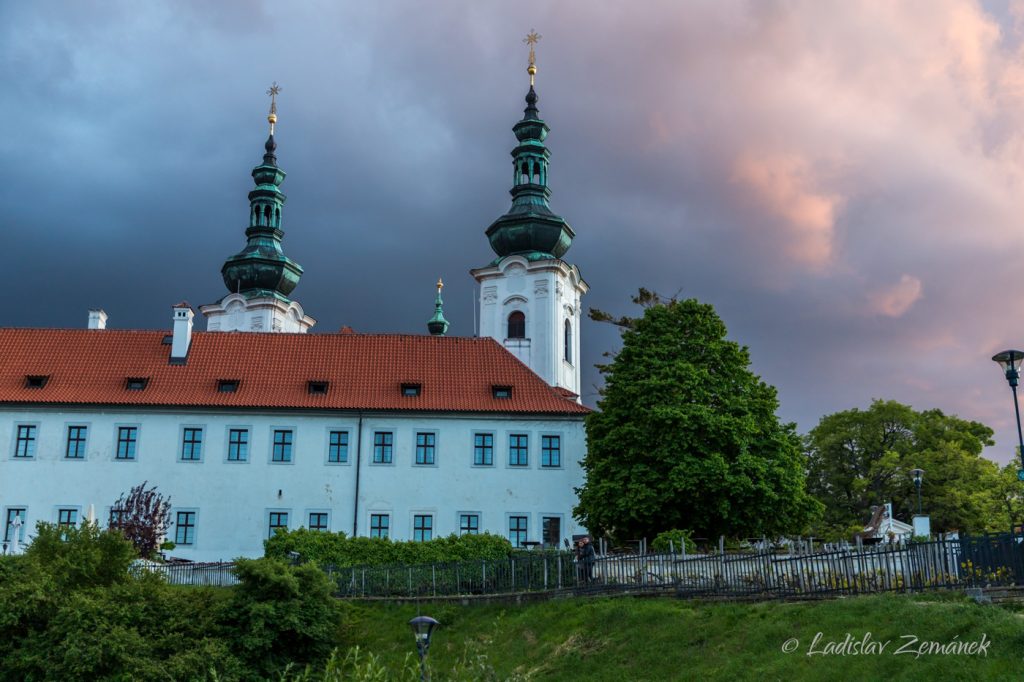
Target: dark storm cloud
[(840, 179)]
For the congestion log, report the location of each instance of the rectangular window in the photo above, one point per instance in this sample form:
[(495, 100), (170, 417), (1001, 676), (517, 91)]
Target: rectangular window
[(25, 446), (425, 448), (551, 451), (14, 524), (318, 521), (127, 437), (282, 446), (136, 383), (422, 527), (277, 520), (227, 385), (517, 530), (469, 524), (76, 442), (238, 445), (67, 517), (551, 529), (380, 525), (337, 449), (483, 449), (185, 528), (518, 450), (383, 444), (191, 444)]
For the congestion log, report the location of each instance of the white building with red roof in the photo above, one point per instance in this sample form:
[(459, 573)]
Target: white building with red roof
[(255, 424)]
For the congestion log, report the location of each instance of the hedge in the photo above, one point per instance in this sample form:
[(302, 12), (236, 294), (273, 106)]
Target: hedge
[(339, 550)]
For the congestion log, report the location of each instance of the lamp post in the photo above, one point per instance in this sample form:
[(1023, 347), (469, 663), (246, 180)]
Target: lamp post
[(422, 628), (1010, 361), (918, 475)]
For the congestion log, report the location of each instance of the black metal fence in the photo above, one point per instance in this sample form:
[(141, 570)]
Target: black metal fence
[(215, 574), (978, 561), (948, 563)]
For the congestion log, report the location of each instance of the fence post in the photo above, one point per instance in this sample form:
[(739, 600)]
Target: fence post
[(410, 581), (513, 574), (433, 575), (559, 571), (545, 572)]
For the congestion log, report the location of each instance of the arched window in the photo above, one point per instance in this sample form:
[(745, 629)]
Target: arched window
[(567, 343), (266, 216), (516, 325)]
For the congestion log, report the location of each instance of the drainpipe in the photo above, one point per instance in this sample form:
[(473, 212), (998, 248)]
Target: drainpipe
[(359, 459)]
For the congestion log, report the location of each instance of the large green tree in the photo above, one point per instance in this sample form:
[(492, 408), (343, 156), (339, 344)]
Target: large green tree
[(859, 458), (686, 436)]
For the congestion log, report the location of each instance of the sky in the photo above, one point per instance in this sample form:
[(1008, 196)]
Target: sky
[(842, 180)]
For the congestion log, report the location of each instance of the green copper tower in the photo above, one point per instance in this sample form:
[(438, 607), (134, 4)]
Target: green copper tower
[(261, 269), (437, 325), (530, 227)]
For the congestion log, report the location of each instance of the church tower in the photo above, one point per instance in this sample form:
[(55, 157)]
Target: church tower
[(530, 297), (260, 277)]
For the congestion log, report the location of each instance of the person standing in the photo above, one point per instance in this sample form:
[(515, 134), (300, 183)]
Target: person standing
[(589, 557)]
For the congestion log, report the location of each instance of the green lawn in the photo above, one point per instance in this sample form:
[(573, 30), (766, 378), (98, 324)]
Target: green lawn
[(625, 639)]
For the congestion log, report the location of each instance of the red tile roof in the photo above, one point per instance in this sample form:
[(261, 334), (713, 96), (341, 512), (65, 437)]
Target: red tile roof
[(365, 371)]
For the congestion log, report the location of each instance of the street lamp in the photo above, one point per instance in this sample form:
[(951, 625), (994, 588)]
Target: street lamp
[(1010, 361), (422, 627), (918, 475)]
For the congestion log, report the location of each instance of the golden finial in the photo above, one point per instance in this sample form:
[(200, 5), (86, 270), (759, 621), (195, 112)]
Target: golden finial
[(440, 285), (531, 40), (272, 116)]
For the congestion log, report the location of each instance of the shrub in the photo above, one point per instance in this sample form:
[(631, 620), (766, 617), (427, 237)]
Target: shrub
[(143, 516), (342, 551), (280, 614), (70, 609), (661, 542)]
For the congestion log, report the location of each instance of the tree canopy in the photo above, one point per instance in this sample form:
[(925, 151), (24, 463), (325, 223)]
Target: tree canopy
[(859, 458), (686, 436)]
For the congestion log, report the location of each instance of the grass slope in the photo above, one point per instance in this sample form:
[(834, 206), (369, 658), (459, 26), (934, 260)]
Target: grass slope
[(666, 639)]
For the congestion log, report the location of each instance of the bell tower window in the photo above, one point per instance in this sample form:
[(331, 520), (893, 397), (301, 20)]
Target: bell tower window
[(567, 343), (516, 325)]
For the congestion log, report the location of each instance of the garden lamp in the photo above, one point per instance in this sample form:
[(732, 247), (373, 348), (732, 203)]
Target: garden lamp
[(422, 628), (1010, 361)]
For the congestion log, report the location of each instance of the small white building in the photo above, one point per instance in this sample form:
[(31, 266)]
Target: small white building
[(256, 424)]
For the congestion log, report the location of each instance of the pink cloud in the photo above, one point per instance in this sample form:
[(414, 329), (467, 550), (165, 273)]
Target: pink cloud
[(896, 300), (783, 185)]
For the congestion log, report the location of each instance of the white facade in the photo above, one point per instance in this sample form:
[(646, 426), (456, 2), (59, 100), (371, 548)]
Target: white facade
[(548, 294), (232, 501), (236, 313)]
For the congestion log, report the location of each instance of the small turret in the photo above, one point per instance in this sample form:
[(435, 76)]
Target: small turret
[(437, 325)]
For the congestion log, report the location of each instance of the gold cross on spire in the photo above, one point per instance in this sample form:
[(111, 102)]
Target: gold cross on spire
[(272, 116), (531, 40)]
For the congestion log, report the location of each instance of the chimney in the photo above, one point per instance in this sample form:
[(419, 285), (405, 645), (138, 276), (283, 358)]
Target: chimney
[(97, 319), (182, 338)]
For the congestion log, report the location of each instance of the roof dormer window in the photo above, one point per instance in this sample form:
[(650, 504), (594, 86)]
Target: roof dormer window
[(411, 390), (502, 392), (36, 380), (317, 387), (136, 383), (227, 385)]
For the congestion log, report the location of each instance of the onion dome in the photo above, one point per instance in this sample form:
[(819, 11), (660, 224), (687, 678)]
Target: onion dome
[(530, 227), (261, 268)]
